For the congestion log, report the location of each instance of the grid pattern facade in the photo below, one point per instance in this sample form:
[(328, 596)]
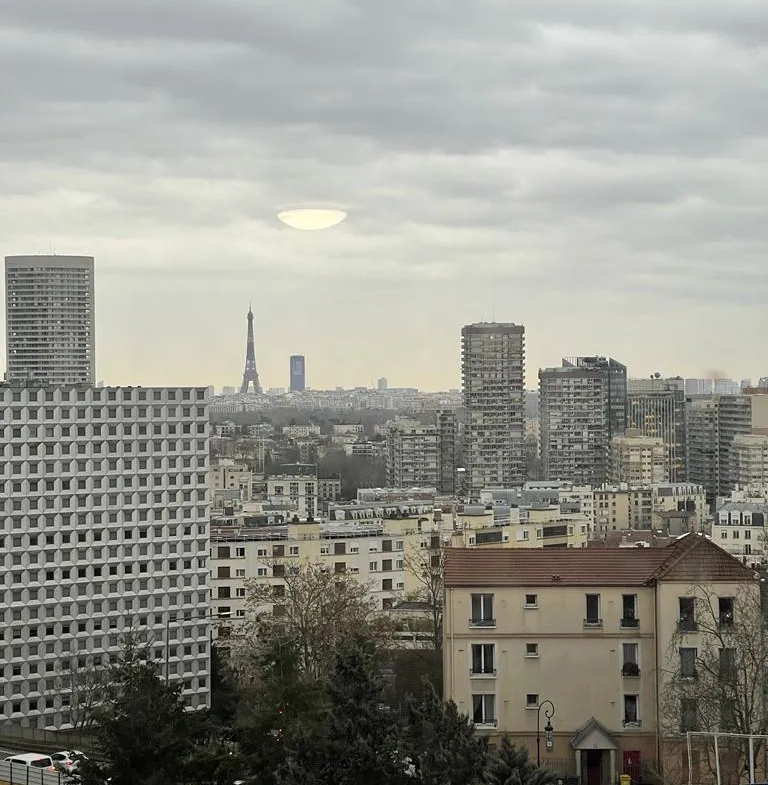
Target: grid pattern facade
[(413, 455), (493, 374), (104, 530), (582, 406), (49, 318), (713, 422), (661, 413)]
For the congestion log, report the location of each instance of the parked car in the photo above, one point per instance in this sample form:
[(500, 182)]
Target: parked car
[(66, 760), (31, 759)]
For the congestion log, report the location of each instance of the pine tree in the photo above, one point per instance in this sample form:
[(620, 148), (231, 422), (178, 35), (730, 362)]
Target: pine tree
[(359, 740), (441, 742), (511, 765)]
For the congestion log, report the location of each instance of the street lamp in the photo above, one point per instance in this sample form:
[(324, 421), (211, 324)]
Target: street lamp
[(549, 712)]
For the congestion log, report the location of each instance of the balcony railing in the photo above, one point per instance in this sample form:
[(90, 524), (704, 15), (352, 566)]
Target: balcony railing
[(486, 723), (488, 674), (630, 622), (630, 724), (630, 670), (593, 622), (482, 622), (687, 624)]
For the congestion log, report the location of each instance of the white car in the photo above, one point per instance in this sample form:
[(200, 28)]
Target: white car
[(67, 759), (31, 759)]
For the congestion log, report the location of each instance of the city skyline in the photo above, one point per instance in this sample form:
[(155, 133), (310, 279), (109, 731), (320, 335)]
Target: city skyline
[(593, 174)]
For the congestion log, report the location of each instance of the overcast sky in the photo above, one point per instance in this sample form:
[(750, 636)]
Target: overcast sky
[(595, 170)]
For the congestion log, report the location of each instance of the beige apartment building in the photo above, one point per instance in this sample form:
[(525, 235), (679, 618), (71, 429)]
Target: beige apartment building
[(638, 460), (592, 638)]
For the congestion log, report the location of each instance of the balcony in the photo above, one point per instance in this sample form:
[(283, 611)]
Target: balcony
[(593, 623), (486, 674), (631, 724), (629, 623), (486, 724), (630, 670), (482, 622), (687, 624)]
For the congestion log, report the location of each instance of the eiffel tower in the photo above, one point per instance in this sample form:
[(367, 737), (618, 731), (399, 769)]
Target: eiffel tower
[(250, 374)]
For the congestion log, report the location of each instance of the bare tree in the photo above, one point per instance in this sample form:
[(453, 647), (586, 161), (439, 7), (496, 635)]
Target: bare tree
[(716, 679), (87, 684), (313, 607), (426, 565)]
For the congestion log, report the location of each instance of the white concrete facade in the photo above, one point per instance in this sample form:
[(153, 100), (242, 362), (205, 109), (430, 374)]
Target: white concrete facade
[(105, 530)]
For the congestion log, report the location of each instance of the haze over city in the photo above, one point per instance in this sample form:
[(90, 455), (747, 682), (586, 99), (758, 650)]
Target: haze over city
[(592, 171)]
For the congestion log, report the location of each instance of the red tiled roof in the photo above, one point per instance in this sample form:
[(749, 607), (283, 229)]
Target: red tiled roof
[(692, 558)]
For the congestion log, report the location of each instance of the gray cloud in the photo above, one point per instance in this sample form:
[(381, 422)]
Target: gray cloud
[(608, 154)]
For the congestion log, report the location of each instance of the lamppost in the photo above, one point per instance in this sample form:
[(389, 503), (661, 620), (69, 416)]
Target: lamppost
[(549, 712)]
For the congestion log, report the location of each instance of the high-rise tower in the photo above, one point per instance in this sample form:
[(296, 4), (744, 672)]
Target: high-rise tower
[(250, 374), (49, 319), (298, 367), (493, 371)]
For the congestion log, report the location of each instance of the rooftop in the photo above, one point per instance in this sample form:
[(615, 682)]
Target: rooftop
[(691, 558)]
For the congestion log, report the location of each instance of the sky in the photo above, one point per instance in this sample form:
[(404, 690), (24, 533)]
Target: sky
[(593, 170)]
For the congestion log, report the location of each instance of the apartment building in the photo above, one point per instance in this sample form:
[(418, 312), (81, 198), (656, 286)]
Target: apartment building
[(50, 320), (105, 530), (749, 460), (493, 374), (739, 526), (713, 423), (412, 454), (449, 450), (229, 480), (594, 638), (638, 459), (296, 484), (583, 405), (656, 407), (373, 551)]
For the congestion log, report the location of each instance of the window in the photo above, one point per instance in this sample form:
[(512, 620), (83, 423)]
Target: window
[(630, 667), (728, 665), (725, 612), (629, 610), (728, 714), (687, 614), (689, 715), (631, 716), (531, 600), (593, 611), (688, 663), (483, 659), (482, 611), (532, 700), (484, 709), (531, 649)]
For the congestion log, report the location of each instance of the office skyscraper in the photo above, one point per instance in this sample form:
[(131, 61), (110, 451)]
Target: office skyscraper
[(49, 319), (493, 373), (583, 405), (298, 373)]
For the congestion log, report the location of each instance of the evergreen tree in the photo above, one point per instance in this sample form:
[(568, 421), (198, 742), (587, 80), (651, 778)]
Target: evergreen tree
[(142, 730), (278, 703), (511, 765), (441, 742), (359, 740)]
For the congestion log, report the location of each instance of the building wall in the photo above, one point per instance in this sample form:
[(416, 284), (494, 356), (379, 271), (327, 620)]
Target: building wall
[(106, 510), (565, 648), (493, 373), (50, 319), (638, 460)]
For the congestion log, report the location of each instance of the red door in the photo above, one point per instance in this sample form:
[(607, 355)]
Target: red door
[(631, 764)]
